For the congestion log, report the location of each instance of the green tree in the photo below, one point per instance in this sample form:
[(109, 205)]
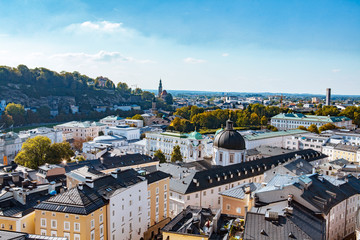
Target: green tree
[(176, 154), (147, 96), (138, 117), (160, 155), (33, 152), (39, 150), (6, 120), (313, 128), (59, 152), (169, 99), (328, 110), (17, 112)]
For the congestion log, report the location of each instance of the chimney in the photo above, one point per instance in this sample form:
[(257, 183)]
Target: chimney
[(90, 183), (2, 176), (81, 186), (115, 173), (15, 177)]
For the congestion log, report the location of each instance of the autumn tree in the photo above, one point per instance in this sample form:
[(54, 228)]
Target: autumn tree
[(137, 117), (313, 128), (327, 126), (263, 121), (160, 155), (302, 128), (176, 154)]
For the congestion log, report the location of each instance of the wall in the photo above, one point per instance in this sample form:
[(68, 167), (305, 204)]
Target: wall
[(84, 220)]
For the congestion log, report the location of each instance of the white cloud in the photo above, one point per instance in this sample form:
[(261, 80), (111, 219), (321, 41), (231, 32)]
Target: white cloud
[(193, 60), (225, 54), (336, 70), (99, 27), (101, 56)]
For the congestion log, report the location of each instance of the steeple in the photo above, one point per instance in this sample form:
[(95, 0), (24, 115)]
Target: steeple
[(160, 88)]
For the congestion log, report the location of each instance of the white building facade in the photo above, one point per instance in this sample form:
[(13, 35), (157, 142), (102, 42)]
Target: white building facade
[(192, 146), (286, 121)]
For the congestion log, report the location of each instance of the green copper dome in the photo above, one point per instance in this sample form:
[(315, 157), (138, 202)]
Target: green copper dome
[(195, 135)]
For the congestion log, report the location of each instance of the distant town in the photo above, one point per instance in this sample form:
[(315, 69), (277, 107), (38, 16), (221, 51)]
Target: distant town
[(181, 167)]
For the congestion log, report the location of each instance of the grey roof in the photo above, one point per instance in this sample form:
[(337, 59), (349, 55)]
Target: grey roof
[(156, 176), (7, 235), (302, 224), (299, 166), (108, 161), (75, 200), (239, 191)]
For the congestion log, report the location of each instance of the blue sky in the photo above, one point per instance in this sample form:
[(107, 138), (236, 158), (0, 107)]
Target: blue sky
[(253, 46)]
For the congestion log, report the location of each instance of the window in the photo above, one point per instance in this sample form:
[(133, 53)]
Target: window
[(165, 187), (54, 233), (228, 207), (157, 190), (221, 157), (92, 235), (165, 196), (43, 222), (67, 235), (130, 214), (139, 198), (76, 236), (188, 197), (123, 218), (238, 210), (67, 226), (196, 195), (53, 224), (92, 223), (101, 218), (231, 158), (130, 202), (157, 199), (77, 227), (149, 193), (204, 193), (43, 232)]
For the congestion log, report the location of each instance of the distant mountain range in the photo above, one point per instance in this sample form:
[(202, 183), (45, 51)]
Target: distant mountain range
[(246, 94)]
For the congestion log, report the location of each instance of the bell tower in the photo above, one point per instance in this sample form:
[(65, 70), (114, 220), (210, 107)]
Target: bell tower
[(160, 88)]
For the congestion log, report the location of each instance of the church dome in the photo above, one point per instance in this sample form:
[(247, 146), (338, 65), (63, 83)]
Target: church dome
[(229, 138), (195, 135), (218, 131)]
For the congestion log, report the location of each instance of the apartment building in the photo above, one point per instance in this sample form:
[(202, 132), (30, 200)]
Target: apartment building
[(342, 151), (201, 188), (285, 121), (192, 146), (335, 201), (78, 214), (81, 130), (158, 202), (305, 141)]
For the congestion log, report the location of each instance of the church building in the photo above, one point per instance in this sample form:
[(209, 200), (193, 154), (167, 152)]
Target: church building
[(229, 146)]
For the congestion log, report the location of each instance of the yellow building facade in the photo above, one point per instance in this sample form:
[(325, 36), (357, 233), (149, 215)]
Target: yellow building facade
[(18, 224), (78, 214), (158, 202)]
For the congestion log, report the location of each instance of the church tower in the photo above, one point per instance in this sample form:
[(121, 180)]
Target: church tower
[(160, 89)]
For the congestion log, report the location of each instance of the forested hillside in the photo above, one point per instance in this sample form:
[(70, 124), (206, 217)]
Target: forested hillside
[(41, 86)]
